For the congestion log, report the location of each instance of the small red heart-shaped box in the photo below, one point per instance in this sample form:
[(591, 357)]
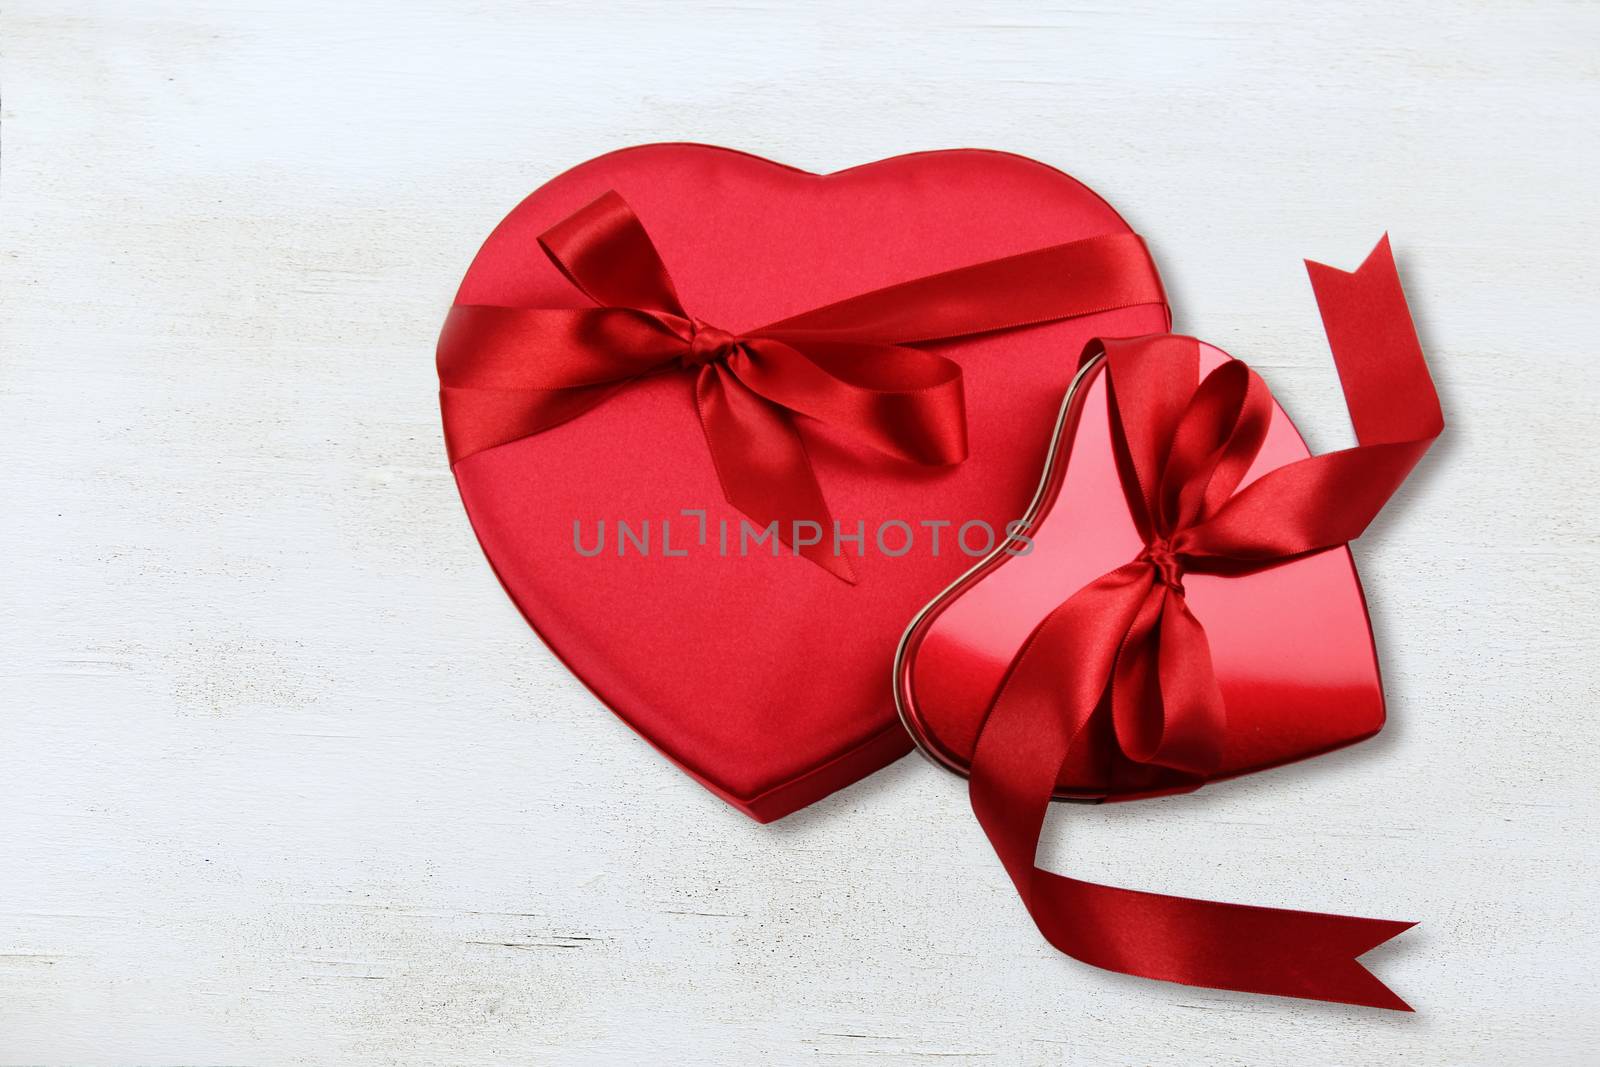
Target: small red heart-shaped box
[(1292, 645), (768, 679)]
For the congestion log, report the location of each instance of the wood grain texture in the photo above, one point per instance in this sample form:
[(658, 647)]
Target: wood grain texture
[(285, 780)]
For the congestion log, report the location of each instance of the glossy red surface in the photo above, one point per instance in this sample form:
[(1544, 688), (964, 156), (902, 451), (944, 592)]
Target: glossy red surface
[(1292, 645)]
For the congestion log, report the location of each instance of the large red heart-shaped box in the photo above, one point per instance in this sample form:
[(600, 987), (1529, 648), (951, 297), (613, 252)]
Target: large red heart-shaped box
[(768, 679), (1291, 645)]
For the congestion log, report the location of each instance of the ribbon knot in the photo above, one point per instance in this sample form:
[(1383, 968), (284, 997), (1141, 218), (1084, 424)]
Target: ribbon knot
[(510, 372), (1158, 553), (708, 344)]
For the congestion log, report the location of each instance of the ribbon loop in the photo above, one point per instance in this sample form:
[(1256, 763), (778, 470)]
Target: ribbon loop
[(508, 373), (604, 250), (1182, 451)]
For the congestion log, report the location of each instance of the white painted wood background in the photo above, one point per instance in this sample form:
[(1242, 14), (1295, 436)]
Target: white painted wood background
[(284, 779)]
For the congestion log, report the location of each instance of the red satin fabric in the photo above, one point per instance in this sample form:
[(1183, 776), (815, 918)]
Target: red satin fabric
[(511, 372), (1128, 642), (762, 675)]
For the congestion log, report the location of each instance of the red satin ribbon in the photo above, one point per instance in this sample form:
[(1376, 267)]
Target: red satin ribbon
[(510, 372), (1128, 643)]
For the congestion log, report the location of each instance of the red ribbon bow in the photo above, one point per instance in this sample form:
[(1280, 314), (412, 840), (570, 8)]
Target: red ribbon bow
[(1128, 639), (510, 372)]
